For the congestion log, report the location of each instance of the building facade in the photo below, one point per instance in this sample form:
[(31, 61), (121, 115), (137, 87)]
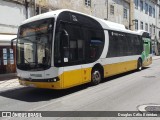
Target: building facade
[(78, 5), (13, 12), (113, 10), (147, 17), (134, 14)]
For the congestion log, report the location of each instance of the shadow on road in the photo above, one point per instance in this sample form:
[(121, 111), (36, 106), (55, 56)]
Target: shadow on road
[(28, 94), (122, 75)]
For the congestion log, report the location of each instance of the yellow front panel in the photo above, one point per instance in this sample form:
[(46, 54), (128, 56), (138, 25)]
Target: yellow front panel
[(75, 77), (72, 78)]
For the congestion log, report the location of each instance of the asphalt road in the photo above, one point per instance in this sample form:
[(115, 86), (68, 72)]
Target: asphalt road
[(124, 92)]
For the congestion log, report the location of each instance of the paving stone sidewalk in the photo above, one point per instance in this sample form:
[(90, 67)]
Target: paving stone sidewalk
[(9, 84), (156, 57)]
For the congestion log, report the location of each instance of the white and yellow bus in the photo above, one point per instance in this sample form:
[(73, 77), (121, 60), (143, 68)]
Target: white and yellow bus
[(64, 48)]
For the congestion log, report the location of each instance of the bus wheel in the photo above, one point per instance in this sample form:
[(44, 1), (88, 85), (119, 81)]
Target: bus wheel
[(96, 77), (139, 65)]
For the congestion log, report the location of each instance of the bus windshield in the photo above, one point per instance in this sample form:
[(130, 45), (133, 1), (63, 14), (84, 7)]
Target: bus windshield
[(34, 45)]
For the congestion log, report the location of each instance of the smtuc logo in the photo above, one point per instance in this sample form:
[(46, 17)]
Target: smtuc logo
[(74, 18), (6, 114)]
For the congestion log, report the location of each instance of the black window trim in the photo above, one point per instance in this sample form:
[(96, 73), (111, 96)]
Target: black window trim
[(140, 40)]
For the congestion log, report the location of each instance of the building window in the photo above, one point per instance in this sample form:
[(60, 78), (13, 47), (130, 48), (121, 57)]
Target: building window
[(150, 29), (88, 3), (44, 10), (136, 4), (146, 8), (154, 12), (146, 26), (150, 11), (40, 10), (111, 9), (125, 13), (136, 24), (141, 25), (141, 5)]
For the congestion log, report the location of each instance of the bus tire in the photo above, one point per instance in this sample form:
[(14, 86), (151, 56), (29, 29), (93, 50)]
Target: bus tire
[(139, 65), (96, 77)]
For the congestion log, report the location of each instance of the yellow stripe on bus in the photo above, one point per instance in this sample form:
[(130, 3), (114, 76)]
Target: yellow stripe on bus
[(77, 77), (117, 68)]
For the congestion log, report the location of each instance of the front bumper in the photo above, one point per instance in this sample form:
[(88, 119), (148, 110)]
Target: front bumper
[(41, 83)]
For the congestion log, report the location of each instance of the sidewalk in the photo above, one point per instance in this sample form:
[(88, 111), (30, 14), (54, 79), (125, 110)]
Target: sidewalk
[(9, 84), (155, 57), (8, 81)]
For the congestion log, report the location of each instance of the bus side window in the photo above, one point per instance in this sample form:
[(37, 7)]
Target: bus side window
[(113, 44), (96, 44), (95, 48)]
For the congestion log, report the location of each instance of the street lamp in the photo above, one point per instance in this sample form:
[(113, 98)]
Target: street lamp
[(26, 7), (133, 23)]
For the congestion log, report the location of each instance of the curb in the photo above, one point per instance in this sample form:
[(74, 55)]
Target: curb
[(156, 58), (8, 76)]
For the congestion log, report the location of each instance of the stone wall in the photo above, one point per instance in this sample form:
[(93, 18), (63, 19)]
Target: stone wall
[(78, 5)]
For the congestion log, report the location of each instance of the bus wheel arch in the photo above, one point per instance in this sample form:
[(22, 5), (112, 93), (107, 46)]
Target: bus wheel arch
[(97, 74), (139, 64)]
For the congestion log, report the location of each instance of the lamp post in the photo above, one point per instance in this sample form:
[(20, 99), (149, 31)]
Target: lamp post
[(26, 7), (106, 3), (35, 7)]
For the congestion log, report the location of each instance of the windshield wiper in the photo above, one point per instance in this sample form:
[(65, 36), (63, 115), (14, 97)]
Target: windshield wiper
[(26, 60)]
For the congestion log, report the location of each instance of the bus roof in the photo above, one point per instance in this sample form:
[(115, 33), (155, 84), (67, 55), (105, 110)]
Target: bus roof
[(108, 25)]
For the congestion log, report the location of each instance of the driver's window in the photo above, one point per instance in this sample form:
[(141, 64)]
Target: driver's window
[(76, 44), (64, 37), (70, 40)]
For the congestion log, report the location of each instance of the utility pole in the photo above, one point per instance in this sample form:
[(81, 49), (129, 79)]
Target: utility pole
[(26, 7), (155, 38), (106, 2), (131, 15), (35, 7)]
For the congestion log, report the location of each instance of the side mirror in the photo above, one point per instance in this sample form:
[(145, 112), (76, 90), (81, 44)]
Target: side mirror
[(65, 38), (12, 42)]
